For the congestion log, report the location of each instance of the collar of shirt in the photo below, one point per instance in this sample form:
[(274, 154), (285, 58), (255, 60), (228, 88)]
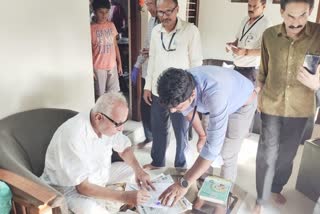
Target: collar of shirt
[(178, 26), (281, 31)]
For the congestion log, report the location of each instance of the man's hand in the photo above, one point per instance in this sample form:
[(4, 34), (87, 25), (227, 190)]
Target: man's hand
[(239, 51), (229, 45), (309, 80), (120, 71), (201, 142), (145, 52), (147, 96), (143, 180), (172, 194), (136, 197), (134, 75)]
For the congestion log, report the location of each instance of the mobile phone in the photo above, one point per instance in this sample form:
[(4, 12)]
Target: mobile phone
[(311, 63), (232, 46)]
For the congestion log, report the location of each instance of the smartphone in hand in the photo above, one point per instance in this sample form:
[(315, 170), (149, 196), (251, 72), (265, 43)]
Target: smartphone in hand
[(229, 47), (311, 63)]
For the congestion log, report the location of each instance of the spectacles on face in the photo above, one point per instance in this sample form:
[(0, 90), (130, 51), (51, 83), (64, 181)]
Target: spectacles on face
[(167, 12), (116, 124)]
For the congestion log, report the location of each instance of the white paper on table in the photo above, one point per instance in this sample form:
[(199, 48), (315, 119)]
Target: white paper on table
[(154, 199)]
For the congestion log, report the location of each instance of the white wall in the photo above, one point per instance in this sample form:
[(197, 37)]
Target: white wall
[(45, 55), (219, 21)]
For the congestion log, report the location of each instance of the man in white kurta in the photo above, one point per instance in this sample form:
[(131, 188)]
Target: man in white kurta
[(78, 159)]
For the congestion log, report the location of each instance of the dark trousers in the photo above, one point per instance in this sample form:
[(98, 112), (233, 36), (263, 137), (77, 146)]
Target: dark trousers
[(249, 72), (278, 145), (160, 123), (146, 115)]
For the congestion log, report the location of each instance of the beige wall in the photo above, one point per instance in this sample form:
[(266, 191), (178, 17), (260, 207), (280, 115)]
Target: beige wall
[(45, 55), (219, 21)]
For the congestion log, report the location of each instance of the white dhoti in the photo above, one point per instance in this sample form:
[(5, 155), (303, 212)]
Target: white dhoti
[(80, 204)]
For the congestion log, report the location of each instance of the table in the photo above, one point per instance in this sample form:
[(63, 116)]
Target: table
[(235, 201)]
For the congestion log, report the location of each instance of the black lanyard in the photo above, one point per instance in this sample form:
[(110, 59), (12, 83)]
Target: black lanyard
[(193, 114), (245, 33), (164, 47)]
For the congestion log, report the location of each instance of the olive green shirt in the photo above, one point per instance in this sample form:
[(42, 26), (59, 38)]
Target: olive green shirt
[(281, 57)]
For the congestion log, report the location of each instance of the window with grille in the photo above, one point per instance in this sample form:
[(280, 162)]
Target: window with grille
[(192, 11)]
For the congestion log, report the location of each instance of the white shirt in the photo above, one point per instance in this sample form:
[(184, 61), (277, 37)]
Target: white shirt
[(76, 153), (142, 60), (188, 53), (251, 40)]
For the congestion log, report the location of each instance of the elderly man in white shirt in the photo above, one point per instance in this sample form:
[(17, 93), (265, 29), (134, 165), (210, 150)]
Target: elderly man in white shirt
[(78, 159), (174, 43)]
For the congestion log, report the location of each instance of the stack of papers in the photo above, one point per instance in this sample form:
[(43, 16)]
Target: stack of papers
[(153, 205)]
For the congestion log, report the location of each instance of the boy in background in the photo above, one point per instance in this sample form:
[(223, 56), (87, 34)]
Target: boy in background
[(105, 51)]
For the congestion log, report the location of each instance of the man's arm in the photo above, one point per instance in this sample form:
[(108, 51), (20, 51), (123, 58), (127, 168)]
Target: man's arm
[(263, 69), (128, 157), (142, 178), (88, 189), (246, 52), (151, 62), (118, 57), (129, 197)]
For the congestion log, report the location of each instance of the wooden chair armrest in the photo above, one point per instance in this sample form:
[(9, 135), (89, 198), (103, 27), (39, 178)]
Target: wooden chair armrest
[(25, 191)]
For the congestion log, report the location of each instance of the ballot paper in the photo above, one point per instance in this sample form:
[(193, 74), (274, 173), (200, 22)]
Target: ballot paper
[(153, 205)]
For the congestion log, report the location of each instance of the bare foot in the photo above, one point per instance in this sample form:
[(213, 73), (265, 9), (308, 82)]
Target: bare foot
[(256, 209), (150, 167), (279, 198), (143, 144), (198, 203)]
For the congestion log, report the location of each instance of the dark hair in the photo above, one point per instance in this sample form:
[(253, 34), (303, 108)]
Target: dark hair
[(97, 4), (283, 3), (174, 87)]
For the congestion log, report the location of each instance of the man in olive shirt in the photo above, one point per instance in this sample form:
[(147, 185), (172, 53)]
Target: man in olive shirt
[(287, 96)]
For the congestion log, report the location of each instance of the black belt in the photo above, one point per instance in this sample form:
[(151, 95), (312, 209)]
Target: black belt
[(243, 68)]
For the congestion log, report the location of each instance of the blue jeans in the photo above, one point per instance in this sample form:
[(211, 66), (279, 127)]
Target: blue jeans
[(160, 124)]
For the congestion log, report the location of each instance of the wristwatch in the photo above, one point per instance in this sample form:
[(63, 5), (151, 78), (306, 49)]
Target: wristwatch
[(183, 182)]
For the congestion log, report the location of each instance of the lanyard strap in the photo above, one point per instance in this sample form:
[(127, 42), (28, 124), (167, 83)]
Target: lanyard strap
[(193, 114), (169, 42), (245, 33)]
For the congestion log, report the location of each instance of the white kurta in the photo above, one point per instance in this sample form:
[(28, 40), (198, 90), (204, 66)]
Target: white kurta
[(76, 153)]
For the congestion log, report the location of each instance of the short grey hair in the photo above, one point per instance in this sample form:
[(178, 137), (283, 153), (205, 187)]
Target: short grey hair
[(108, 101)]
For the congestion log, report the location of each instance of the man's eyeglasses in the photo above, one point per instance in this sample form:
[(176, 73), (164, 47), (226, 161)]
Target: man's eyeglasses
[(167, 12), (114, 122)]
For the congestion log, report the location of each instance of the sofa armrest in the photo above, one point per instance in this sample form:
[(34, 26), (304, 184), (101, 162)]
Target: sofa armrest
[(28, 195)]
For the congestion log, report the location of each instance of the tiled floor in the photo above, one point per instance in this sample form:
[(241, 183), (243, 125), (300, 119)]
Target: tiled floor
[(297, 203)]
